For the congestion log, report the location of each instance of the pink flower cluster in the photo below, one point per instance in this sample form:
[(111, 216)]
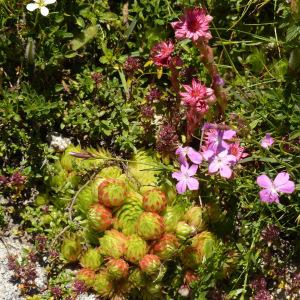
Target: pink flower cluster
[(221, 150), (161, 55), (197, 96), (194, 25)]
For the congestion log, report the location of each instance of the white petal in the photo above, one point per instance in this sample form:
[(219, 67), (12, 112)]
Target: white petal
[(49, 1), (32, 6), (44, 11)]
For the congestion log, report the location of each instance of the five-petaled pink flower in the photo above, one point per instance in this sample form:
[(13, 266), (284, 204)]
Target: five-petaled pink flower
[(194, 25), (198, 96), (192, 154), (221, 163), (217, 139), (185, 179), (271, 189), (267, 141), (161, 53)]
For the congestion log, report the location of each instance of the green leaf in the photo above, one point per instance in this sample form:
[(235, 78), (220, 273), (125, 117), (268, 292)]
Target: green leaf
[(86, 36), (292, 33), (295, 135)]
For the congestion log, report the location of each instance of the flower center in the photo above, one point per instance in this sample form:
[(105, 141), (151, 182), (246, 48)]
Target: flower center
[(41, 3), (193, 24)]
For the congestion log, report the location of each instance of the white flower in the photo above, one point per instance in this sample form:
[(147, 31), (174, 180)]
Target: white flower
[(59, 143), (41, 4)]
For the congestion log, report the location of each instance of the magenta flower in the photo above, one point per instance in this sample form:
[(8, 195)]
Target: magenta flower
[(192, 154), (217, 139), (271, 189), (221, 163), (194, 25), (267, 141), (198, 96), (185, 179), (161, 53)]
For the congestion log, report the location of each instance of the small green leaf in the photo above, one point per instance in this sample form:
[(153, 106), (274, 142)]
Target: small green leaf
[(86, 36)]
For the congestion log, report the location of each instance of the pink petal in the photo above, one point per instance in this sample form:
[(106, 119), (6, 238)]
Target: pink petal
[(192, 170), (213, 167), (181, 187), (193, 184), (229, 134), (178, 175), (208, 154), (229, 159), (267, 141), (179, 151), (267, 196), (281, 179), (288, 187), (225, 172), (194, 156), (264, 181)]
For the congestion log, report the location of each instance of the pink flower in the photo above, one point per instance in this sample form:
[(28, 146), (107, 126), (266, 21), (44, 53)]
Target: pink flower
[(267, 141), (217, 139), (192, 154), (222, 162), (194, 25), (185, 179), (198, 96), (161, 53), (237, 150), (271, 189)]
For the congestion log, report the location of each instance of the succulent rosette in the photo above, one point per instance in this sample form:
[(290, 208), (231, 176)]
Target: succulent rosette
[(71, 248), (184, 230), (112, 192), (91, 259), (136, 250), (128, 214), (154, 200), (117, 268), (150, 264), (194, 217), (137, 278), (100, 218), (202, 246), (150, 226), (103, 285), (87, 276), (172, 216), (166, 247), (113, 243)]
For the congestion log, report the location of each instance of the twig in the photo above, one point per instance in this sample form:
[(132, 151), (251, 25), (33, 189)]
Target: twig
[(59, 235), (70, 208)]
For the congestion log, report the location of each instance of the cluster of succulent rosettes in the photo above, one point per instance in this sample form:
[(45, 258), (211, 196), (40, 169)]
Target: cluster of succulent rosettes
[(132, 232)]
